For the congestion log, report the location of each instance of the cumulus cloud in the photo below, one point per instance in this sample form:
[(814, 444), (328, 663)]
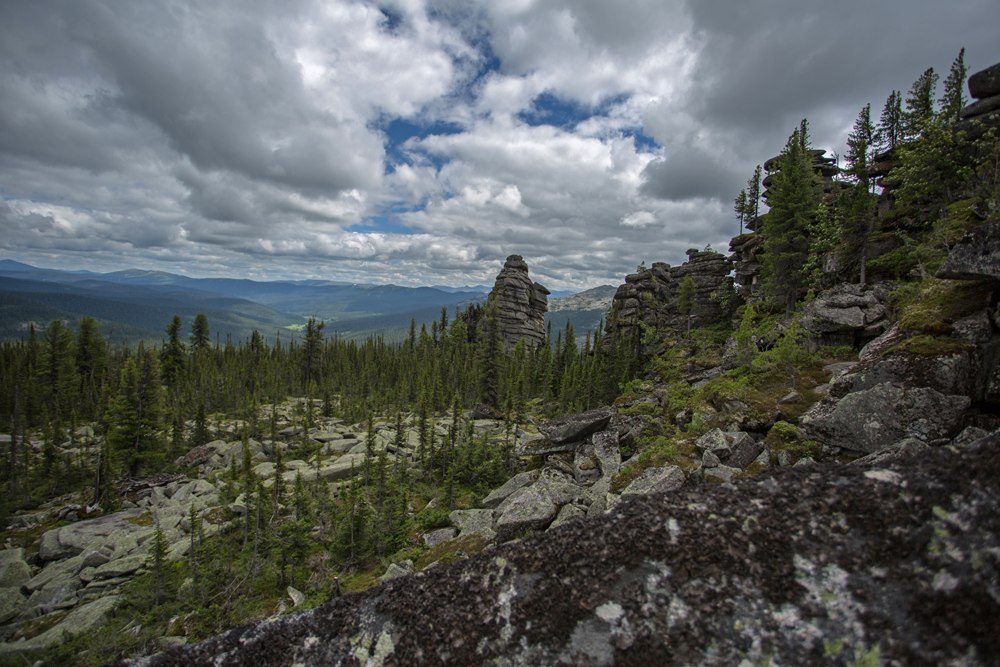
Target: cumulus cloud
[(262, 139)]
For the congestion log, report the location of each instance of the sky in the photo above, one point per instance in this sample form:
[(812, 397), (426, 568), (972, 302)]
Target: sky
[(420, 142)]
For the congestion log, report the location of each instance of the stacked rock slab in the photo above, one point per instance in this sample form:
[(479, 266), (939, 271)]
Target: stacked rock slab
[(984, 113), (650, 296), (520, 305)]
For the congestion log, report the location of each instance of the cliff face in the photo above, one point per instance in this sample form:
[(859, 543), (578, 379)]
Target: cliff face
[(651, 296), (520, 305), (895, 563)]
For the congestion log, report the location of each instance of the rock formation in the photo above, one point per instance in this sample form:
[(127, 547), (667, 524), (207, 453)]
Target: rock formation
[(520, 305), (651, 295), (894, 563), (984, 86)]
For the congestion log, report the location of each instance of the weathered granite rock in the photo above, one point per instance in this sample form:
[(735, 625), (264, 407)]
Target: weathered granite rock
[(528, 508), (976, 256), (655, 480), (847, 314), (985, 83), (82, 619), (473, 522), (395, 570), (14, 570), (889, 565), (575, 428), (519, 304), (868, 420), (720, 474), (436, 537), (70, 540), (11, 602), (649, 297), (499, 494), (568, 513)]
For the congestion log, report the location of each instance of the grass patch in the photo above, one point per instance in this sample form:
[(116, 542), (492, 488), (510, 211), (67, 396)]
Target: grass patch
[(451, 551), (786, 437), (932, 305), (924, 345), (660, 452), (144, 519)]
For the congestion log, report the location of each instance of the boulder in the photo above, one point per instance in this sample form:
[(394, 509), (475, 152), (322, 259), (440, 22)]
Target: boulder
[(744, 449), (499, 494), (528, 508), (985, 83), (83, 619), (296, 596), (395, 570), (473, 522), (70, 540), (976, 256), (121, 567), (655, 480), (720, 474), (14, 570), (568, 513), (436, 537), (11, 603), (848, 313), (575, 428), (868, 420)]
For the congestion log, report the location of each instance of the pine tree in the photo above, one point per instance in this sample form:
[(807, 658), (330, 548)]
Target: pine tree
[(794, 197), (740, 208), (954, 90), (685, 300), (172, 355), (312, 346), (201, 339), (135, 413), (158, 560), (890, 130), (919, 106)]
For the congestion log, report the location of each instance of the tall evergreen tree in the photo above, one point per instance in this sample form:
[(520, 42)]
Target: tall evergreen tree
[(172, 354), (135, 413), (890, 130), (919, 110), (201, 338), (954, 89), (794, 197)]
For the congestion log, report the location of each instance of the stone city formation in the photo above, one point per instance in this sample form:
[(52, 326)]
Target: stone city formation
[(520, 305)]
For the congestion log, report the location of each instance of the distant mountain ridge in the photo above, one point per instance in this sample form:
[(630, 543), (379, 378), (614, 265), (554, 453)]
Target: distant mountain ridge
[(136, 304)]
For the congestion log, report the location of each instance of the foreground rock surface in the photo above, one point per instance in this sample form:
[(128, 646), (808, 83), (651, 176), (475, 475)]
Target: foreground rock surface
[(892, 564)]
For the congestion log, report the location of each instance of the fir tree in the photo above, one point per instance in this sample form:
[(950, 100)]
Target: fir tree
[(890, 131), (954, 90)]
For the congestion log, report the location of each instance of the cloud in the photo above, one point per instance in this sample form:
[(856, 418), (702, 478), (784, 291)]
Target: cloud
[(257, 139)]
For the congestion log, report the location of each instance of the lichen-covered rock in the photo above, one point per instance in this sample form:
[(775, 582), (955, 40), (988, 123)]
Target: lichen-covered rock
[(14, 570), (895, 564), (655, 480), (847, 314), (528, 508), (499, 494), (70, 540), (575, 428), (520, 305), (870, 419), (82, 619)]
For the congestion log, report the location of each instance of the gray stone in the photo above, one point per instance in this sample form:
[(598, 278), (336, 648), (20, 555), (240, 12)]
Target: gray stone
[(655, 480), (296, 596), (720, 474), (473, 522), (744, 449), (868, 420), (83, 619), (976, 256), (497, 495), (70, 540), (607, 453), (396, 570), (519, 305), (969, 435), (436, 537), (568, 513), (14, 571), (528, 508), (121, 567), (985, 83), (11, 603), (709, 459), (575, 428), (346, 466), (715, 441)]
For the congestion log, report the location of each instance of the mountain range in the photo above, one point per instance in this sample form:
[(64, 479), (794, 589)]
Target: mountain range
[(134, 304)]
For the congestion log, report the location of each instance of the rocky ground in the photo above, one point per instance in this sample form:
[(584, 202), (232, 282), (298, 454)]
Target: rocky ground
[(892, 563)]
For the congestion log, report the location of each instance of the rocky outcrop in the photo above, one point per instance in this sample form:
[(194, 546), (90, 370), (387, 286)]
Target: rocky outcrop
[(519, 304), (848, 314), (976, 118), (976, 256), (650, 296), (893, 564)]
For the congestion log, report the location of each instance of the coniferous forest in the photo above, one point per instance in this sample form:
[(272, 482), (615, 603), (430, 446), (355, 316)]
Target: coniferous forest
[(434, 423)]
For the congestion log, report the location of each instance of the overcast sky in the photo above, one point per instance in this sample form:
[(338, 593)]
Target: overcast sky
[(422, 141)]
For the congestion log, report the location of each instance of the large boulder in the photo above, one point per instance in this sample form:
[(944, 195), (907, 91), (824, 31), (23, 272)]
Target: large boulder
[(655, 480), (70, 540), (985, 83), (14, 570), (858, 565), (848, 313), (528, 508), (870, 419), (575, 428), (499, 494), (976, 256), (83, 619)]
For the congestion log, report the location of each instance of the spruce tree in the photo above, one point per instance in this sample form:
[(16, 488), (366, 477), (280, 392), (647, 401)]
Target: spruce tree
[(890, 130), (919, 110), (954, 90), (794, 198)]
